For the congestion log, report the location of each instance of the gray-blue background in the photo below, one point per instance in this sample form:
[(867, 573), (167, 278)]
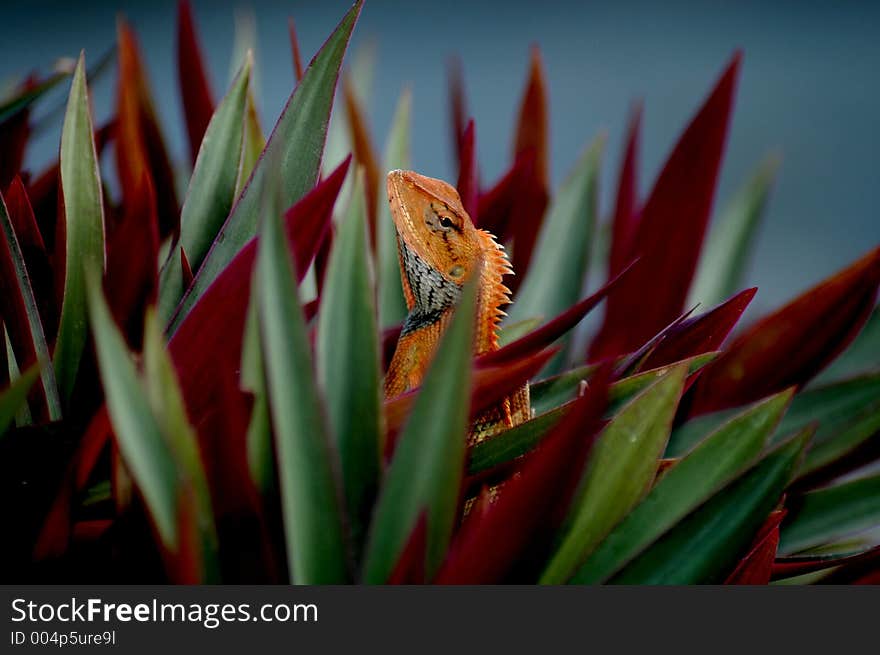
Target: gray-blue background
[(808, 89)]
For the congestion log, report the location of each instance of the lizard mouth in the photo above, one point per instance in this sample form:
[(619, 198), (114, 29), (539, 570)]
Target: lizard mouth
[(432, 293)]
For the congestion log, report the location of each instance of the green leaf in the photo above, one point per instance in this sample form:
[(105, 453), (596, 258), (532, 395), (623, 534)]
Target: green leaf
[(724, 260), (261, 458), (688, 435), (35, 324), (166, 400), (211, 190), (509, 444), (619, 472), (705, 546), (689, 483), (254, 143), (349, 369), (15, 395), (13, 105), (392, 306), (563, 246), (510, 333), (847, 413), (556, 390), (84, 229), (139, 436), (311, 513), (826, 515), (862, 355), (426, 472), (294, 150)]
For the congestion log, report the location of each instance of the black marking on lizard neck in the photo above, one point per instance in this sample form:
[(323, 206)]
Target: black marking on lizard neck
[(433, 293)]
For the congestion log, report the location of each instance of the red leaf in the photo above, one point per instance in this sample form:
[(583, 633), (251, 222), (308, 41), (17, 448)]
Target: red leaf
[(13, 311), (14, 134), (294, 46), (756, 567), (364, 153), (34, 251), (491, 384), (543, 336), (513, 210), (185, 269), (410, 566), (206, 348), (671, 229), (198, 105), (467, 171), (701, 334), (390, 337), (457, 106), (498, 382), (790, 346), (494, 537), (531, 131), (786, 567), (139, 145), (626, 213), (310, 222), (494, 206), (132, 276), (56, 531)]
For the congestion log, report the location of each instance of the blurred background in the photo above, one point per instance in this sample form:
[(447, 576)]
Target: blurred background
[(808, 90)]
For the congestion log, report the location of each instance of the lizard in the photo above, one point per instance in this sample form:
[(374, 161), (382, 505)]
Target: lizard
[(439, 248)]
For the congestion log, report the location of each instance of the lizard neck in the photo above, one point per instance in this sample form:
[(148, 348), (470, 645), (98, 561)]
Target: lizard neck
[(431, 299)]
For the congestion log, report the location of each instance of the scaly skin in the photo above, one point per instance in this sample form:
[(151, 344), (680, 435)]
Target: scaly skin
[(439, 249)]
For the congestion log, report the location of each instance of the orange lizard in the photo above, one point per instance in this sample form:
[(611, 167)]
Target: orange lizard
[(439, 249)]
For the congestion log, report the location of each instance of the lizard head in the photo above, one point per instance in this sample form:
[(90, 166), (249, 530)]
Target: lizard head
[(433, 225), (438, 244)]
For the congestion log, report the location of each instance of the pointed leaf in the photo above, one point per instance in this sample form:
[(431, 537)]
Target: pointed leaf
[(700, 334), (621, 468), (19, 313), (140, 145), (703, 548), (428, 464), (532, 124), (791, 345), (757, 566), (392, 306), (198, 103), (732, 239), (83, 228), (490, 541), (207, 352), (312, 521), (686, 485), (548, 333), (294, 47), (861, 356), (211, 189), (825, 515), (295, 147), (626, 211), (364, 153), (564, 243), (142, 445), (676, 211), (166, 401), (348, 364), (13, 397), (468, 184)]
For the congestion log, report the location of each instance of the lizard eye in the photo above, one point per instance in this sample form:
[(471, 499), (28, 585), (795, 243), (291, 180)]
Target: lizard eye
[(445, 222)]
